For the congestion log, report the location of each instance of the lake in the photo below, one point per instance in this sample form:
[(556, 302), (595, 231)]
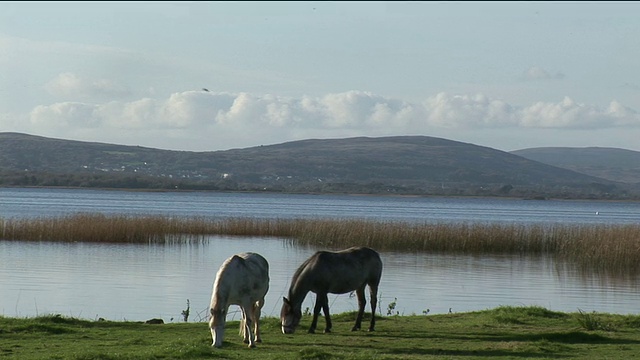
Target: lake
[(138, 282), (25, 203)]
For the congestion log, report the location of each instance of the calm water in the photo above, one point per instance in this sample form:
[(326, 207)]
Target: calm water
[(46, 202), (138, 282)]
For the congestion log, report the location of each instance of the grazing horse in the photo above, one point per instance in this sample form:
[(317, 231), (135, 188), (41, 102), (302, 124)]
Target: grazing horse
[(242, 280), (336, 273)]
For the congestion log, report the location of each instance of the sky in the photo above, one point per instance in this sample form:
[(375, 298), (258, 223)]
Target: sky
[(208, 76)]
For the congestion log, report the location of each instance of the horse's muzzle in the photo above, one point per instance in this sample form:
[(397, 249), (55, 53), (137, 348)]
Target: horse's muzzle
[(287, 330)]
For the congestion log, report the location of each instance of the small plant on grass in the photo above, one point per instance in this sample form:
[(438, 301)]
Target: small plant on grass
[(591, 322), (185, 312), (392, 307)]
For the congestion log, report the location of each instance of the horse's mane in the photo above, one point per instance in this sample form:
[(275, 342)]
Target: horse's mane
[(300, 270)]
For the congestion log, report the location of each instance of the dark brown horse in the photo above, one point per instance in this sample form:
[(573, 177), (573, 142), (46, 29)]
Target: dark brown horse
[(336, 273)]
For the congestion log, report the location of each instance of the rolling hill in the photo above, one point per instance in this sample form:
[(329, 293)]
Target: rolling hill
[(400, 164), (608, 163)]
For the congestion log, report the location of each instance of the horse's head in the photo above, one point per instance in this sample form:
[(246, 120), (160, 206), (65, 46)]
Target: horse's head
[(216, 323), (289, 316)]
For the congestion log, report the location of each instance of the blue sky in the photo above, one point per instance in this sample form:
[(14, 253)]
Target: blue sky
[(507, 75)]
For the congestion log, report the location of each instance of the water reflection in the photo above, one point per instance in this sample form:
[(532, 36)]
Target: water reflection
[(138, 282)]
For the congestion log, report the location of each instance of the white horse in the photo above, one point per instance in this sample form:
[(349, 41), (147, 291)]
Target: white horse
[(242, 280)]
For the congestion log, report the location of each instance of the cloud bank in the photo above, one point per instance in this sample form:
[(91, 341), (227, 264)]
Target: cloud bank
[(225, 117), (99, 109)]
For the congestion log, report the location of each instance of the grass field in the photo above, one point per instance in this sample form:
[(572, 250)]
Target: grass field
[(500, 333)]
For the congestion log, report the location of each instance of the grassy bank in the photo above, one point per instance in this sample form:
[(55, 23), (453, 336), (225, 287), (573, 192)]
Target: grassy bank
[(504, 332), (610, 248)]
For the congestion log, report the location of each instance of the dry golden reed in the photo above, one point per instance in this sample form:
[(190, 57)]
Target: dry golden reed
[(604, 247)]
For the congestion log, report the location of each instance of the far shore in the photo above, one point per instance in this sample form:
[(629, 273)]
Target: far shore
[(355, 194)]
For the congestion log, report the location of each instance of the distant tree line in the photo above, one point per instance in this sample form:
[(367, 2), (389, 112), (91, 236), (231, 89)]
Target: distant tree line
[(146, 182)]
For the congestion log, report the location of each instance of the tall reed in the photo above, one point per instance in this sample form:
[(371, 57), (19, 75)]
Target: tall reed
[(602, 247)]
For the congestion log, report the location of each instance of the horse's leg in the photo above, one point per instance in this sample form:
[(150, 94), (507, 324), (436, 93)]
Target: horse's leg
[(373, 291), (316, 312), (257, 311), (327, 317), (243, 326), (247, 313), (361, 304)]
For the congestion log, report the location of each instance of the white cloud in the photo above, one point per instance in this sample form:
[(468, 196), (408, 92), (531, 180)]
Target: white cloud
[(245, 109), (63, 115), (468, 111), (355, 109), (249, 118), (570, 114)]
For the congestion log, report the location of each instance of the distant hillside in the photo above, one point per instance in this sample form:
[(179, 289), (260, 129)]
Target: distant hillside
[(607, 163), (398, 160), (401, 164)]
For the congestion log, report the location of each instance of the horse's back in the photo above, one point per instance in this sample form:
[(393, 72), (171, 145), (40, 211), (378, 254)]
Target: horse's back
[(244, 274), (255, 261), (372, 259), (343, 271), (255, 265), (362, 255)]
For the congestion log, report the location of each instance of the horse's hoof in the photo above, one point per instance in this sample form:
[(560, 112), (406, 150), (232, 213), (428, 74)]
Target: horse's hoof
[(252, 346), (312, 331), (355, 328), (371, 329), (327, 331)]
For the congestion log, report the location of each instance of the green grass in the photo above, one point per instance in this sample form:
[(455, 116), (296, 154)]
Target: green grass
[(501, 333)]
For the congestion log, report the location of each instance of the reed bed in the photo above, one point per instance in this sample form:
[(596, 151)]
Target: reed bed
[(612, 248)]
